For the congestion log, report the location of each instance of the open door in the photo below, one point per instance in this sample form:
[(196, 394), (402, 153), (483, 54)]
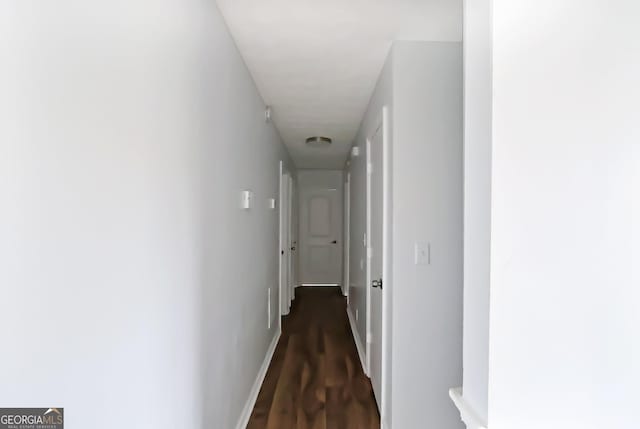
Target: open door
[(377, 255)]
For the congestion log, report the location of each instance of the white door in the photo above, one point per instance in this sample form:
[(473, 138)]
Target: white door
[(285, 252), (346, 234), (376, 255), (290, 242), (320, 237), (294, 239)]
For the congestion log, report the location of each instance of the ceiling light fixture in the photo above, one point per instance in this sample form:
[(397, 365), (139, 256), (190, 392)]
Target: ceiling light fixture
[(318, 141)]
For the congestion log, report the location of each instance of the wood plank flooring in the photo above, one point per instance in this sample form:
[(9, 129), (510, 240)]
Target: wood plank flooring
[(315, 380)]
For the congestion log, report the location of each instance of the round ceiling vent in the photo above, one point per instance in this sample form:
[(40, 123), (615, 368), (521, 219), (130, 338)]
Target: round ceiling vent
[(318, 141)]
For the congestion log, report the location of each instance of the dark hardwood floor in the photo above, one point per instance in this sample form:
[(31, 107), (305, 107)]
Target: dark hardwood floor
[(315, 380)]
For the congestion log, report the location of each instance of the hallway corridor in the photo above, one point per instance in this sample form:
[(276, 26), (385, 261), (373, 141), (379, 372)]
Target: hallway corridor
[(315, 380)]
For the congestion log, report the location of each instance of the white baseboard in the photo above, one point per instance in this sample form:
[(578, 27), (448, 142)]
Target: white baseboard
[(356, 337), (319, 284), (468, 416), (243, 421)]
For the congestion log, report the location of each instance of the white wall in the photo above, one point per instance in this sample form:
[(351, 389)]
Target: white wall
[(127, 130), (320, 179), (564, 299), (477, 204), (427, 207), (422, 85)]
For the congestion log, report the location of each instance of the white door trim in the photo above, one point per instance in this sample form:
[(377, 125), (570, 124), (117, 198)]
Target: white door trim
[(346, 236), (289, 243), (368, 255), (280, 239), (386, 255), (295, 263)]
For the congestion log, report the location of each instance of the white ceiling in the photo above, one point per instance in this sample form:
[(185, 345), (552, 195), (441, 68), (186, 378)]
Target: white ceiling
[(317, 62)]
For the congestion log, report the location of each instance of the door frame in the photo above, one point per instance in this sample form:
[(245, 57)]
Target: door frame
[(382, 121), (289, 244), (346, 229), (368, 251), (284, 252), (280, 240)]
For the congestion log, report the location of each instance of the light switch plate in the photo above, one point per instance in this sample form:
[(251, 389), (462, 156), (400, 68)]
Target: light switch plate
[(422, 253), (272, 203), (245, 203)]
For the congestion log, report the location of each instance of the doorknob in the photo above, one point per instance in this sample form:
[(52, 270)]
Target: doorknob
[(334, 242), (376, 283)]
